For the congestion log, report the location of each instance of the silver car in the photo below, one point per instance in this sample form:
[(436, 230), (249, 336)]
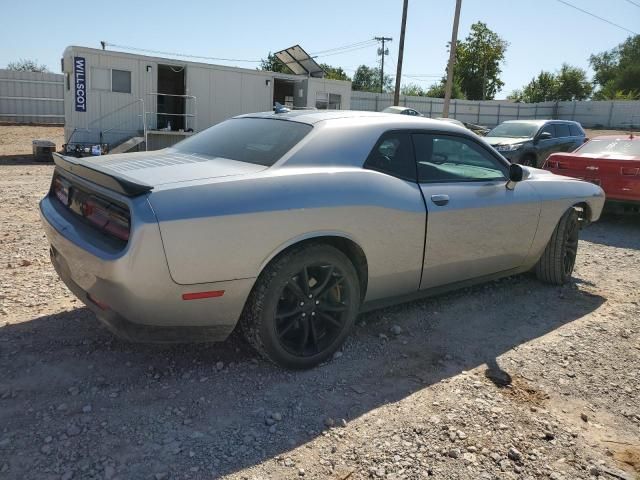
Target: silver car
[(287, 225)]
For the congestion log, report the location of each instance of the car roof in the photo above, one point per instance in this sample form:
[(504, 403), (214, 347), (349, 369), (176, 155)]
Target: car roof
[(541, 122), (397, 108), (313, 117)]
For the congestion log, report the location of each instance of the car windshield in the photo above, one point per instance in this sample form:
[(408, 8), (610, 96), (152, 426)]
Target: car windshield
[(617, 146), (253, 140), (514, 130)]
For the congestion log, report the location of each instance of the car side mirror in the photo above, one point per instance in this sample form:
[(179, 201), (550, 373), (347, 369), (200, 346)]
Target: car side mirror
[(516, 174), (545, 136)]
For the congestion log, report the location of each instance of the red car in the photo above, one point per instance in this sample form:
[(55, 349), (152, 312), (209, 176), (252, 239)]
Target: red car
[(611, 161)]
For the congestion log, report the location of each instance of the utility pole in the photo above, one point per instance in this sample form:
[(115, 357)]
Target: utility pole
[(452, 60), (396, 95), (382, 52)]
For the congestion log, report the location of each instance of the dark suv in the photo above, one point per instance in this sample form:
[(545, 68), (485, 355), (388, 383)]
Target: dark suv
[(530, 142)]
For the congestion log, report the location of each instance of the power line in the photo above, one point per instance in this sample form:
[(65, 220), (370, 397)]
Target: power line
[(174, 54), (633, 3), (344, 51), (370, 41), (598, 17)]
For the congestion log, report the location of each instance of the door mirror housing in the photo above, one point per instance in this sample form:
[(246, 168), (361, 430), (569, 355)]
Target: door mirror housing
[(516, 174), (545, 136)]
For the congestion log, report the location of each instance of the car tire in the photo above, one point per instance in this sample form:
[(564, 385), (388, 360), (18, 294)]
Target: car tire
[(297, 326), (556, 264)]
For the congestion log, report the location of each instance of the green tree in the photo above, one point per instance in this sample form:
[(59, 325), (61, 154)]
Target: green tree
[(413, 89), (24, 65), (334, 73), (569, 83), (367, 79), (478, 62), (572, 83), (617, 71), (542, 88), (272, 64), (436, 90)]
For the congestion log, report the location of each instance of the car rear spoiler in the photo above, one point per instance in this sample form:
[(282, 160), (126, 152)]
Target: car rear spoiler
[(101, 176)]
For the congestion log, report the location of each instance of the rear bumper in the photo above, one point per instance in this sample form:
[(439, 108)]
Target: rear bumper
[(132, 291), (136, 332)]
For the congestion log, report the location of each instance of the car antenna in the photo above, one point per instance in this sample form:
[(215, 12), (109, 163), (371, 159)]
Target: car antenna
[(279, 108)]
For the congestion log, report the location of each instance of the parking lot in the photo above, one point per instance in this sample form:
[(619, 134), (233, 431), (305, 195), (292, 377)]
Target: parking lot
[(513, 379)]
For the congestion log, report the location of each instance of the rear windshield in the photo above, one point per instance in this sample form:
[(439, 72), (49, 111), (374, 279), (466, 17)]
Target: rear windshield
[(253, 140), (618, 146), (514, 130)]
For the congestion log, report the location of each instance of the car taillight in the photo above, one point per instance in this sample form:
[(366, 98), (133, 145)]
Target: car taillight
[(552, 164), (107, 216), (61, 190)]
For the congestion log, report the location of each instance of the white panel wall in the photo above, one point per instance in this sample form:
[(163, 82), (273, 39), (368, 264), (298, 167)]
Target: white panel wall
[(31, 97), (612, 114)]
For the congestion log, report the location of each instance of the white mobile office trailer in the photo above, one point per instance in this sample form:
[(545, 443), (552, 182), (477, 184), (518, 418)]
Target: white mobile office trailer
[(120, 99)]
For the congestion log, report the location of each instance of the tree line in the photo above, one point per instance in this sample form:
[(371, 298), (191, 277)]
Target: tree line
[(478, 67)]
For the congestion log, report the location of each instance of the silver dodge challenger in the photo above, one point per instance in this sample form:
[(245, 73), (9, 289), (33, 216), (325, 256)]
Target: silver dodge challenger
[(287, 225)]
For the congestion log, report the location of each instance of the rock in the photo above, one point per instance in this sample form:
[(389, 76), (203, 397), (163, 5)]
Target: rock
[(454, 453), (382, 336), (396, 330), (288, 462), (461, 435), (549, 435), (25, 263), (594, 471), (46, 449), (73, 430), (161, 475), (301, 472), (68, 475), (337, 355), (48, 439), (86, 409), (329, 422), (584, 417), (272, 429), (469, 457), (269, 421), (62, 407), (219, 365), (73, 391), (514, 454), (277, 416)]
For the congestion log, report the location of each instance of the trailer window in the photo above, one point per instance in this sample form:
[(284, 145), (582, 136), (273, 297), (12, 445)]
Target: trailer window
[(121, 81), (254, 140)]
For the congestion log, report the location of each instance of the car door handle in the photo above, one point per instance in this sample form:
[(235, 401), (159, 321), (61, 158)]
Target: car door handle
[(440, 200)]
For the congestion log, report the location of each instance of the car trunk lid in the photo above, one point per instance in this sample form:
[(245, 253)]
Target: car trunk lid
[(133, 174), (618, 175)]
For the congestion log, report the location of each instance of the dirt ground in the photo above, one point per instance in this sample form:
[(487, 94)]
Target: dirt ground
[(510, 380)]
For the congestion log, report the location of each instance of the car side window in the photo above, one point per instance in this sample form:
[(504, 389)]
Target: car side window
[(575, 131), (393, 154), (550, 128), (443, 158), (562, 130)]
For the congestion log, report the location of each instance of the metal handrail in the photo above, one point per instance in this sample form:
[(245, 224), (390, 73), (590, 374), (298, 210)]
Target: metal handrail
[(193, 115)]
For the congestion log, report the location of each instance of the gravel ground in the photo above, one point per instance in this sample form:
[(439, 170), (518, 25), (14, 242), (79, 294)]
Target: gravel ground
[(514, 379)]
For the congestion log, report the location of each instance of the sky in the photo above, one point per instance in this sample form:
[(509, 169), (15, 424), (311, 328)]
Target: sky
[(542, 34)]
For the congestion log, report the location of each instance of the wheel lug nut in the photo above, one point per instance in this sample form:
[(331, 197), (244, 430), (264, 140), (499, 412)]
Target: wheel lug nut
[(313, 314), (310, 296), (304, 314), (317, 302), (302, 304)]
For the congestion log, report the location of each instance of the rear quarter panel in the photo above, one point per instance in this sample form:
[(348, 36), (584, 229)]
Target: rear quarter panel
[(231, 229)]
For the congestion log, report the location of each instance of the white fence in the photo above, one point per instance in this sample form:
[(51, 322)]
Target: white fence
[(30, 97), (609, 114)]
